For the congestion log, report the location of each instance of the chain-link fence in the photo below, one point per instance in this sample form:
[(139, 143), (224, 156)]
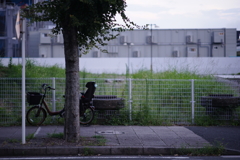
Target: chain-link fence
[(146, 100)]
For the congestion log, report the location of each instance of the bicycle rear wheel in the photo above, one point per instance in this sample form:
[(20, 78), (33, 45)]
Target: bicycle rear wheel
[(87, 117), (36, 116)]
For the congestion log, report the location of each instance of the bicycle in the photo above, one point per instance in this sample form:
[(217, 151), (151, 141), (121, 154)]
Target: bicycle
[(37, 114)]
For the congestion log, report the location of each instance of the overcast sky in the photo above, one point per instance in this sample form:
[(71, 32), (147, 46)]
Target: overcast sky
[(185, 13)]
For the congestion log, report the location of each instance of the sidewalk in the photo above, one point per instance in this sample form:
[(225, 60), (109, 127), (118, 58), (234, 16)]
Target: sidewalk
[(120, 140)]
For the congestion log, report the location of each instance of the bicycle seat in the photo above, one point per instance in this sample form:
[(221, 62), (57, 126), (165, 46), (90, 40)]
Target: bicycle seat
[(89, 94)]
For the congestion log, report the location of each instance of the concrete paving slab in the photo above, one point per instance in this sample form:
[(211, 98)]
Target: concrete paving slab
[(87, 131), (124, 140), (129, 140), (173, 143), (112, 141), (44, 131), (152, 141), (14, 133)]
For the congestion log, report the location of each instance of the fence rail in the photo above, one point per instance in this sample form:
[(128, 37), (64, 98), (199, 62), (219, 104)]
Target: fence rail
[(156, 101)]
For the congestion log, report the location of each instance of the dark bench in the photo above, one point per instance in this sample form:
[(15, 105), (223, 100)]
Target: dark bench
[(220, 104), (107, 102), (107, 107)]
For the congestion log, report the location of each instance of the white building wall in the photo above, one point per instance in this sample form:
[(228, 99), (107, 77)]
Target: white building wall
[(230, 42), (45, 51), (34, 41), (165, 43)]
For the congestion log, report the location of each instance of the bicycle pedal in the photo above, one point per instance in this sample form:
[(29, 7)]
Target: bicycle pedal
[(61, 115)]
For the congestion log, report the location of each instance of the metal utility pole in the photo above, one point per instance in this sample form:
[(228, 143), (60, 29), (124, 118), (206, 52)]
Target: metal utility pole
[(23, 82), (151, 49), (129, 45), (151, 43), (18, 31)]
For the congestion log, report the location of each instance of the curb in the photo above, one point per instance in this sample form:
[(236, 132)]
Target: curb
[(231, 152), (96, 150), (86, 150)]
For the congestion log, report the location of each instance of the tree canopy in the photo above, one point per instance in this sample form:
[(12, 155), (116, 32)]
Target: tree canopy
[(94, 20)]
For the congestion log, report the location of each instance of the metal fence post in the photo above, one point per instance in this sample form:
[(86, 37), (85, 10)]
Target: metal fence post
[(53, 94), (130, 98), (192, 99), (23, 82)]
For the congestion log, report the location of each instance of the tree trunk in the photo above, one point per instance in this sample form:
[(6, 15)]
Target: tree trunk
[(72, 125)]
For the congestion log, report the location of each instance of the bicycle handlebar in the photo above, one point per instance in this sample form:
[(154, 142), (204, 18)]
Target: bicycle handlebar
[(46, 86)]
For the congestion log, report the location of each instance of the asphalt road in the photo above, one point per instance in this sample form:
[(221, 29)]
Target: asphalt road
[(229, 136), (126, 158)]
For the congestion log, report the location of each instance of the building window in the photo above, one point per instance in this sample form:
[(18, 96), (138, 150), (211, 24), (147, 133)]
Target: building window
[(44, 35), (2, 48), (20, 2), (2, 23)]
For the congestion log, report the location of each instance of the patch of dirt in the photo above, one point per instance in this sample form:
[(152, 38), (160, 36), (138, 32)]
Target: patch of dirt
[(43, 142)]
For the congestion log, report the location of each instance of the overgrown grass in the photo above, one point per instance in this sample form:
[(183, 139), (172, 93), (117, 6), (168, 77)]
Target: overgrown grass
[(29, 137), (56, 135), (209, 150), (171, 74), (34, 70), (96, 140), (12, 140), (157, 98), (205, 120), (100, 140)]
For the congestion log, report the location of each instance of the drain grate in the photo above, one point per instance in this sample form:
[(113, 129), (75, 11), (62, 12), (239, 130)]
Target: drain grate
[(109, 132)]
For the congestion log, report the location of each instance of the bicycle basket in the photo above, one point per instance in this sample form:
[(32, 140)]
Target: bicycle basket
[(34, 98)]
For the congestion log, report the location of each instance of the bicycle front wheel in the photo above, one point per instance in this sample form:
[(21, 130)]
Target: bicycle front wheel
[(36, 116), (87, 117)]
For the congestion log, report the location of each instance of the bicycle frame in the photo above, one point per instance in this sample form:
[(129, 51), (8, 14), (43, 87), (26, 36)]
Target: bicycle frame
[(85, 100), (36, 115), (43, 102), (49, 111)]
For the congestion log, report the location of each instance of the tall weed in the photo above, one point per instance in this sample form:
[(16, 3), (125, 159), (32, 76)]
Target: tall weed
[(158, 98)]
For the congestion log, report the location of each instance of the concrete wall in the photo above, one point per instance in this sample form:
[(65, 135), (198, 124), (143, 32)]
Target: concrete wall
[(156, 43), (201, 65)]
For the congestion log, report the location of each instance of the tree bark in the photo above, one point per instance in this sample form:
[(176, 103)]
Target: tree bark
[(72, 125)]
